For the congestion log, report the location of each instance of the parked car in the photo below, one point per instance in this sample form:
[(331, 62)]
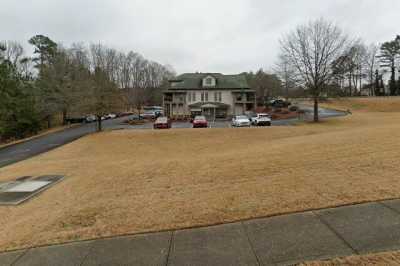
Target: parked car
[(162, 122), (90, 119), (149, 115), (241, 121), (135, 117), (199, 121), (76, 120), (279, 103), (251, 115), (111, 116), (262, 119), (158, 110), (122, 114)]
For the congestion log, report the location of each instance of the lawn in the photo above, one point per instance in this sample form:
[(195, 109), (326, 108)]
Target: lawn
[(383, 258), (365, 104), (124, 182)]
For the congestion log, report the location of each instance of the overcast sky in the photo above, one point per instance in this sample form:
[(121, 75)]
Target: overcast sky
[(228, 36)]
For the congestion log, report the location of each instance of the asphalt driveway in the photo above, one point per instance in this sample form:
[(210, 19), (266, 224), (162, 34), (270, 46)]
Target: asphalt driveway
[(24, 150)]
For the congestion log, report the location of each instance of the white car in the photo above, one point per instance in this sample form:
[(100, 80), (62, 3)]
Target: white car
[(261, 120), (91, 118), (111, 116), (241, 121)]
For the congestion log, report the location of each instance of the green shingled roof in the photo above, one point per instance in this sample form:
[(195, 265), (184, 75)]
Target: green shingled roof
[(194, 81)]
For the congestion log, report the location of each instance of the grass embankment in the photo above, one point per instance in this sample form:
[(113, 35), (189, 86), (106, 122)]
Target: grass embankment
[(384, 258), (139, 181), (365, 104)]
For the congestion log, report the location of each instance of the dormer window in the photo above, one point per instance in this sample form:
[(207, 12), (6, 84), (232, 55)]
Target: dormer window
[(209, 81)]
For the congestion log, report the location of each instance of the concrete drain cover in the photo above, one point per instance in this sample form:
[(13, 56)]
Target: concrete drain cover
[(22, 189), (28, 186)]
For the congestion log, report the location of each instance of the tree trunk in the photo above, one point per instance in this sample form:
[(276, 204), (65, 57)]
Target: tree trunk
[(350, 84), (99, 125), (49, 121), (64, 117), (316, 117), (287, 93)]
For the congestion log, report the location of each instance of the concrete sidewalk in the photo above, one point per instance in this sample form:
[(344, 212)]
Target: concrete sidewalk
[(280, 240)]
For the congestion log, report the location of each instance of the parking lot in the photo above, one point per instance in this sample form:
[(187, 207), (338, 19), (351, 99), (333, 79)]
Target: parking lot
[(323, 113), (211, 124)]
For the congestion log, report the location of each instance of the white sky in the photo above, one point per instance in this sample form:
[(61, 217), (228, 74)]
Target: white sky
[(228, 36)]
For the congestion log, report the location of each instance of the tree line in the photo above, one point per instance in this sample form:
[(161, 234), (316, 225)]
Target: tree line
[(71, 81)]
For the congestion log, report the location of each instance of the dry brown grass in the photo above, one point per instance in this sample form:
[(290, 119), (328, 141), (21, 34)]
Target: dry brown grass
[(138, 181), (365, 104), (384, 258)]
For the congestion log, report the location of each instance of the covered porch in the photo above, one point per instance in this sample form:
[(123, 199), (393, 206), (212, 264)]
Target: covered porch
[(211, 110)]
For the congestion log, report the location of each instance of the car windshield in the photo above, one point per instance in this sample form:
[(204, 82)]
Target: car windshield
[(162, 120), (200, 118), (241, 117)]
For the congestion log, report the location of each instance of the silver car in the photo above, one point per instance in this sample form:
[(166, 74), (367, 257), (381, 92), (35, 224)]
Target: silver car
[(241, 121)]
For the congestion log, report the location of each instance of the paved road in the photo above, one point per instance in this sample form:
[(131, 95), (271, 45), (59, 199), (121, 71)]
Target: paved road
[(25, 150), (30, 148), (279, 240)]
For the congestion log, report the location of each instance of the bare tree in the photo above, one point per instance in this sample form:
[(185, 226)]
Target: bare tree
[(104, 92), (311, 49), (371, 65), (14, 51), (285, 71)]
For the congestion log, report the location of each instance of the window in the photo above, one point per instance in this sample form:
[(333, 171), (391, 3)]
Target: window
[(202, 96), (238, 97), (217, 96), (206, 96), (208, 81), (194, 96), (189, 97)]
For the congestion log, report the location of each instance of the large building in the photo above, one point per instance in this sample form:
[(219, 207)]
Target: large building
[(211, 94)]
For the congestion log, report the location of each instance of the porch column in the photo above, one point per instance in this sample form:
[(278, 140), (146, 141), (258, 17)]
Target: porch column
[(215, 110)]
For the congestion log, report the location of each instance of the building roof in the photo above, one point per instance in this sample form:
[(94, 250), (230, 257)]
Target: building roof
[(194, 81)]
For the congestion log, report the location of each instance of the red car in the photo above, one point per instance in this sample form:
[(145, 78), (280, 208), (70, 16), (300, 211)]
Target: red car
[(162, 122), (200, 121)]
